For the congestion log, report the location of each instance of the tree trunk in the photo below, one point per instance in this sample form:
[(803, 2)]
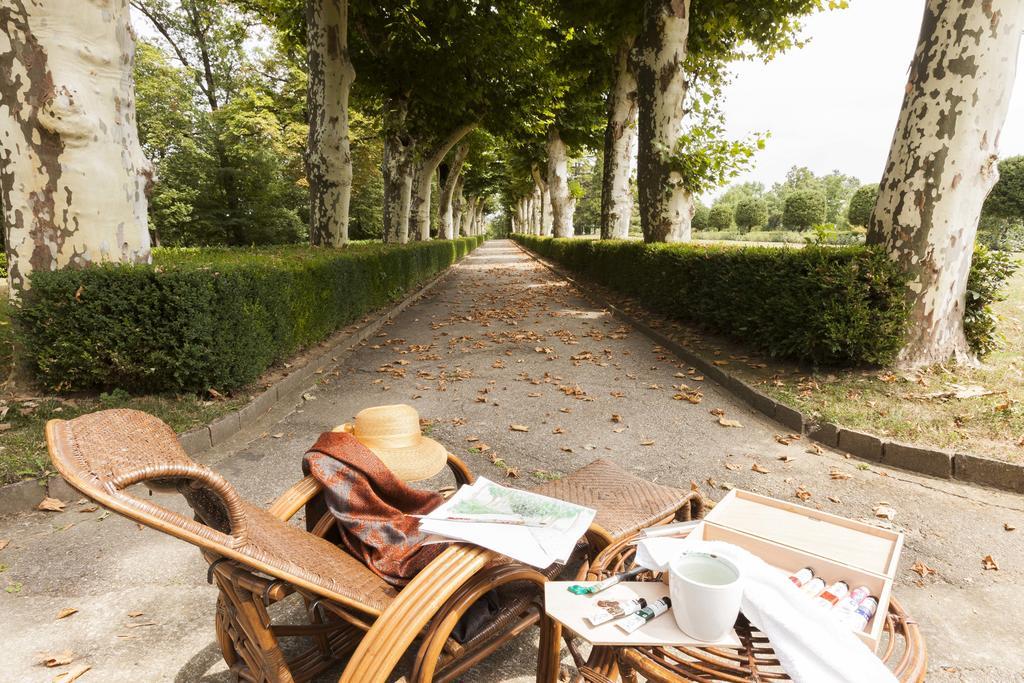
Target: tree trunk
[(328, 157), (467, 217), (446, 209), (397, 170), (942, 164), (73, 178), (558, 184), (666, 205), (458, 202), (619, 138), (537, 209), (420, 211)]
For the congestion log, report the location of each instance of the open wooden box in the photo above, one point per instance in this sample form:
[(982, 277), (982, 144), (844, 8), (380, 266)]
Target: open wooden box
[(790, 537)]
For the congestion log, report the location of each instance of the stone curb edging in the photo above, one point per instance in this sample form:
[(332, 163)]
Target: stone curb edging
[(24, 496), (940, 463)]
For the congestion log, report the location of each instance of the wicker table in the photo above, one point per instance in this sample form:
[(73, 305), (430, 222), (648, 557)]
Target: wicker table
[(902, 647)]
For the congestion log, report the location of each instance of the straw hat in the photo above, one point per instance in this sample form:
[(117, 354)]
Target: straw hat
[(393, 434)]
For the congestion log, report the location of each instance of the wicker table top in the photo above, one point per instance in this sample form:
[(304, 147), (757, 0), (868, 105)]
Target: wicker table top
[(902, 647)]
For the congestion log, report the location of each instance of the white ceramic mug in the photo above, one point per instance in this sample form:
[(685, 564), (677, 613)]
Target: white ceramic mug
[(706, 590)]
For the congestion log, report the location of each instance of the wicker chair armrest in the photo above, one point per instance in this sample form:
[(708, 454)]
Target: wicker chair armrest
[(463, 475), (196, 474), (293, 500), (416, 604)]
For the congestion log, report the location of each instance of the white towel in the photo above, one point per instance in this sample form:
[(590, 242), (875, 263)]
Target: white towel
[(812, 646)]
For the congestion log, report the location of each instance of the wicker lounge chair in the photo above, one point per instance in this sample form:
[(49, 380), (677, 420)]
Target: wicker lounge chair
[(256, 558)]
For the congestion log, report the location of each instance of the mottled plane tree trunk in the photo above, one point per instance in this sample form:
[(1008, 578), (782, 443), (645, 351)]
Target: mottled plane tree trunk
[(446, 209), (558, 185), (328, 156), (73, 178), (419, 210), (458, 202), (399, 149), (942, 163), (542, 197), (619, 140), (666, 205)]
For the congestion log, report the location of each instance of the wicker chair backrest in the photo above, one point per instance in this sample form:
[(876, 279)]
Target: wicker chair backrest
[(102, 454)]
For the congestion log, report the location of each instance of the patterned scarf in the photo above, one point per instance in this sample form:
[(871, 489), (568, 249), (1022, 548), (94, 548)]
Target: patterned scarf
[(370, 504)]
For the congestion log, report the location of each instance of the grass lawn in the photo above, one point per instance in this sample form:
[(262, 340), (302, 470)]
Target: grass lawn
[(22, 443), (917, 407)]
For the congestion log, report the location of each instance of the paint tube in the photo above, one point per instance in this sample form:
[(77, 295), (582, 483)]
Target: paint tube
[(847, 605), (635, 621), (831, 595), (613, 609), (801, 578), (607, 583), (858, 621)]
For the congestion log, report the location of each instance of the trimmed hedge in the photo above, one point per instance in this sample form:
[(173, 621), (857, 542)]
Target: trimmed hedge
[(833, 306), (202, 318)]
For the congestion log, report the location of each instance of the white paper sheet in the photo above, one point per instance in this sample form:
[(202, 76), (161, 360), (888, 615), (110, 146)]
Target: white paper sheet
[(536, 546)]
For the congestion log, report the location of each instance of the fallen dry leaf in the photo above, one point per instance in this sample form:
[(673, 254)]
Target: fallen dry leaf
[(922, 569), (471, 439), (837, 474), (786, 458), (988, 562), (277, 436), (726, 422), (732, 466), (834, 499), (616, 417), (720, 362), (72, 674), (802, 493), (647, 442), (519, 428), (66, 612), (51, 505), (884, 511), (757, 468), (717, 412), (815, 449), (50, 661), (1006, 527), (135, 614), (4, 542)]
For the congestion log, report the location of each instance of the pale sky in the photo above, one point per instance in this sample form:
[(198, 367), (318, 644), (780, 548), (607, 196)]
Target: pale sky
[(834, 103)]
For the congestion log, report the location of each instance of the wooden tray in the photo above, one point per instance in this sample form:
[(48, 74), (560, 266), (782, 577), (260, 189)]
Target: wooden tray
[(790, 537), (570, 610)]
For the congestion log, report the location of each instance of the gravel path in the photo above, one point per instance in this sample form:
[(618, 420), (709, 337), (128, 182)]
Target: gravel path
[(503, 341)]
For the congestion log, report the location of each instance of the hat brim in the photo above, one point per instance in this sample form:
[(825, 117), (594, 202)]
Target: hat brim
[(412, 463)]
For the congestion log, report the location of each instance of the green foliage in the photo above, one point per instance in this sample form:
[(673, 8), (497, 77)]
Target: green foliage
[(803, 209), (701, 218), (835, 306), (751, 213), (202, 318), (3, 264), (862, 203), (1007, 197), (986, 284), (721, 217)]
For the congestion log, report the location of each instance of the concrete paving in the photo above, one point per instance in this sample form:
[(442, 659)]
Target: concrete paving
[(494, 345)]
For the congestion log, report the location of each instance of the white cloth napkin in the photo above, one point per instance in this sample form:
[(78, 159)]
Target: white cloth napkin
[(812, 646)]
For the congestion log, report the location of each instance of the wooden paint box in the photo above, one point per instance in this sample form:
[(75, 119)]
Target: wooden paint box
[(790, 537)]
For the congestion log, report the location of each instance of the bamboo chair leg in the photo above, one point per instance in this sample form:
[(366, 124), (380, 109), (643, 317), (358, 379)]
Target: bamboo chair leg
[(252, 639)]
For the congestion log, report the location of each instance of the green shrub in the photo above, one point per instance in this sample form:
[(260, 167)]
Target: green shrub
[(835, 305), (990, 271), (862, 203), (202, 318), (721, 217), (3, 264), (701, 217), (803, 209), (751, 213)]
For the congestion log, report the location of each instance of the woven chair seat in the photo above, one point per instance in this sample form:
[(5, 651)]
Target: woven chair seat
[(624, 502)]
